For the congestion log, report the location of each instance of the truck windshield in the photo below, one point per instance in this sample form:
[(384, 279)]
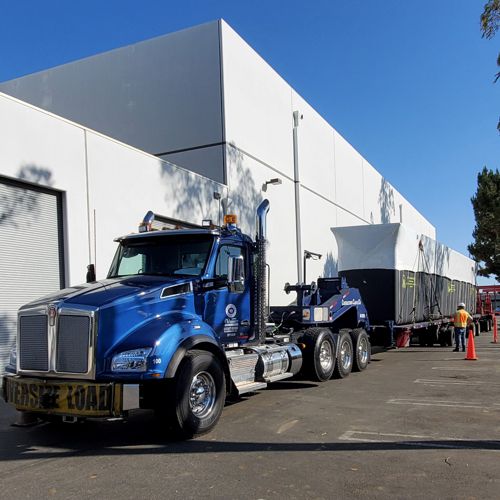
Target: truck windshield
[(170, 255)]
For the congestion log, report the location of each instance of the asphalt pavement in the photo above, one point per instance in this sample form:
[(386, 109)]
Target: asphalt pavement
[(418, 423)]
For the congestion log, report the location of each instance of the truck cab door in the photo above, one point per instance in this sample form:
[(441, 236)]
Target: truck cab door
[(228, 309)]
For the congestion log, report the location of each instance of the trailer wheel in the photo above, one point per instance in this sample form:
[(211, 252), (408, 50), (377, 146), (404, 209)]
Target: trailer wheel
[(344, 355), (362, 349), (450, 335), (197, 396), (319, 354)]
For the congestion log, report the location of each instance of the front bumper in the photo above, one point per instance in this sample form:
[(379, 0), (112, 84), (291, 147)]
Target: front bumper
[(77, 398)]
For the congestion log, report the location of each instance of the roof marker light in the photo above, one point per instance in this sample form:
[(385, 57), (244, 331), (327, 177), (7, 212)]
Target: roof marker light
[(230, 219)]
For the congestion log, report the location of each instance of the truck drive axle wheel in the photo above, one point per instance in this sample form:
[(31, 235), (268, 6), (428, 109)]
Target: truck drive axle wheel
[(196, 398), (344, 355), (362, 349), (319, 354)]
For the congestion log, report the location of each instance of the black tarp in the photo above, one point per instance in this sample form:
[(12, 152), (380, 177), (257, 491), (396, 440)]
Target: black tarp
[(407, 297)]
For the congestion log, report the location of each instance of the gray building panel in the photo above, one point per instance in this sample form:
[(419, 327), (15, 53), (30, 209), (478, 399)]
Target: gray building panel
[(207, 161)]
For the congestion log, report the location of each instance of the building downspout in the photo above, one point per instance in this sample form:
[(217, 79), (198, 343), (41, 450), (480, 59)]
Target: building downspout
[(296, 120)]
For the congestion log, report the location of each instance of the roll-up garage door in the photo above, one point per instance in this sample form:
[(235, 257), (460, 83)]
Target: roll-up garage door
[(31, 253)]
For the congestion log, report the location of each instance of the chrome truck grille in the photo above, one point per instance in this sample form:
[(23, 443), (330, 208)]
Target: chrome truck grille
[(72, 345), (33, 343), (61, 345)]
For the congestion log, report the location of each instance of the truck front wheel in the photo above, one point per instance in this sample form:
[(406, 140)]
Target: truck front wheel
[(199, 393)]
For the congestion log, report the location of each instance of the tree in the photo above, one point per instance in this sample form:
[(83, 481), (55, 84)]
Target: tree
[(486, 204), (490, 22)]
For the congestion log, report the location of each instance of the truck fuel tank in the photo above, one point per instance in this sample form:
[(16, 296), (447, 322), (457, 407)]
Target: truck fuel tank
[(275, 360)]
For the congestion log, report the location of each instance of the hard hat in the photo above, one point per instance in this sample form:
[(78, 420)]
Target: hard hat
[(461, 305)]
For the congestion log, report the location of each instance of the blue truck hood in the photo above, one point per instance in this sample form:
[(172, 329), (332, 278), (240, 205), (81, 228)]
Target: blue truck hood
[(101, 293), (131, 311)]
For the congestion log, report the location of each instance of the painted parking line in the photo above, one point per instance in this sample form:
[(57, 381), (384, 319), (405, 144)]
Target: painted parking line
[(465, 369), (471, 383), (369, 436), (444, 403)]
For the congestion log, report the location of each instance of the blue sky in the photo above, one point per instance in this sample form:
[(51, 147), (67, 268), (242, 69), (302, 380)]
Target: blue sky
[(409, 84)]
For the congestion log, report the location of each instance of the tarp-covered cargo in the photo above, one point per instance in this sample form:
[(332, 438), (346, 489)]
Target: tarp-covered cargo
[(404, 276)]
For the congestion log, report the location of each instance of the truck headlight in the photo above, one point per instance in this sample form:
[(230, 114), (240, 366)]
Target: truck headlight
[(131, 361), (13, 357)]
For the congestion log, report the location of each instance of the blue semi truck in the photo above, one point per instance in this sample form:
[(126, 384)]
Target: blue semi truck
[(181, 323)]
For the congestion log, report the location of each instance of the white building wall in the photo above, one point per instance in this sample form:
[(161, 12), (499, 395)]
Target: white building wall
[(121, 183), (124, 183), (316, 152), (318, 216), (40, 148), (349, 189), (257, 103), (246, 176)]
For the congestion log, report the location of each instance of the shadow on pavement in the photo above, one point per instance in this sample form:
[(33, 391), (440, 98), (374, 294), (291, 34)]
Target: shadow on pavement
[(139, 436)]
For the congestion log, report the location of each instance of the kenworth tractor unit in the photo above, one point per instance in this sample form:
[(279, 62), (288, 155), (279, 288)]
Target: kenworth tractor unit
[(181, 322)]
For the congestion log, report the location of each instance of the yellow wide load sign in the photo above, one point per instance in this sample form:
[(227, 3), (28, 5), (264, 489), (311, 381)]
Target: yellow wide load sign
[(64, 397)]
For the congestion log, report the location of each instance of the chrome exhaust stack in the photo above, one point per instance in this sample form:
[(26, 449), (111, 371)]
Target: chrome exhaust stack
[(260, 300)]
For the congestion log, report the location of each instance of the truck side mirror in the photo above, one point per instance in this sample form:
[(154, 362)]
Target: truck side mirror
[(236, 273)]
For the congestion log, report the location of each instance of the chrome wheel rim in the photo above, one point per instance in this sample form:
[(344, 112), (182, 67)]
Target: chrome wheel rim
[(345, 355), (363, 351), (202, 394), (326, 355)]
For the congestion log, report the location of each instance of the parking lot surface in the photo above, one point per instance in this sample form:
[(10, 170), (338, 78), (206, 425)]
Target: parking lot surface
[(418, 423)]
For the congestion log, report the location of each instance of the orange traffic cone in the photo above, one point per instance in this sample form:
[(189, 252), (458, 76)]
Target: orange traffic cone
[(471, 350)]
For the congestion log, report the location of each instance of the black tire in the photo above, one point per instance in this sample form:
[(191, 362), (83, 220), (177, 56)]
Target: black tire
[(345, 355), (451, 333), (362, 349), (442, 337), (421, 338), (319, 354), (189, 414), (433, 335)]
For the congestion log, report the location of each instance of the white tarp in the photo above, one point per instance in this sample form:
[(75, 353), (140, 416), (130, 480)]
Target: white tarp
[(395, 246)]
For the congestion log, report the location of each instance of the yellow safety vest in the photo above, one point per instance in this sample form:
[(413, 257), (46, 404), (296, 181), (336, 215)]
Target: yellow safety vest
[(461, 317)]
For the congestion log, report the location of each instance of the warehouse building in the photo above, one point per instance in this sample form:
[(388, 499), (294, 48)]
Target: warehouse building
[(189, 125)]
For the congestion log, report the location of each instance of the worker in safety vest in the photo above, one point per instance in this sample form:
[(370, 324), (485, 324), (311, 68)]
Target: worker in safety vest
[(461, 320)]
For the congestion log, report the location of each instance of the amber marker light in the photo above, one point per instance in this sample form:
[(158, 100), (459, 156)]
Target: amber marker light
[(230, 219)]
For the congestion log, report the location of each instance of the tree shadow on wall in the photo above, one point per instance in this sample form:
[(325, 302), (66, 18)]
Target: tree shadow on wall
[(17, 199), (386, 201), (330, 268), (244, 196), (192, 195)]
